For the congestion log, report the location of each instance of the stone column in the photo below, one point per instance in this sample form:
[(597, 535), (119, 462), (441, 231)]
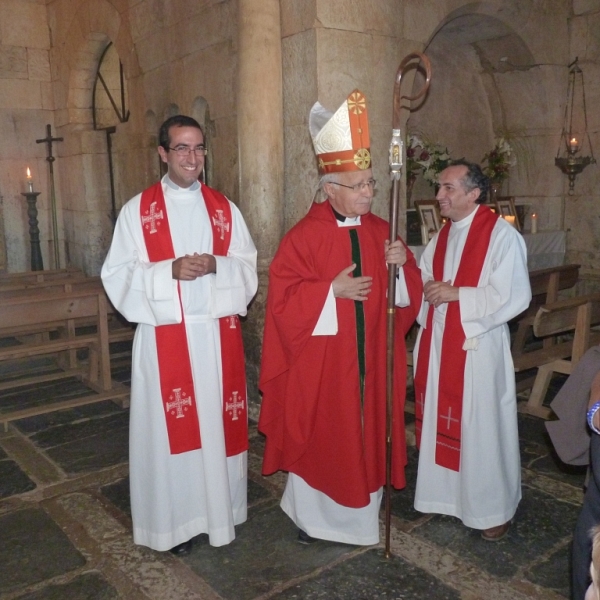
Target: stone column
[(260, 143)]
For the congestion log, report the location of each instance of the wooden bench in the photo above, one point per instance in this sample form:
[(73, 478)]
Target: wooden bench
[(58, 284), (29, 311), (119, 329), (39, 276), (574, 316), (545, 286)]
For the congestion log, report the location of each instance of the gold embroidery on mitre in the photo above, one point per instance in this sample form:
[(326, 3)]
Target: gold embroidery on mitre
[(339, 161), (362, 159), (356, 103)]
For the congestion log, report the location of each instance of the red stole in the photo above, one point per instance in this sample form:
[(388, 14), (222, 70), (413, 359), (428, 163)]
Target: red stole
[(175, 371), (452, 367)]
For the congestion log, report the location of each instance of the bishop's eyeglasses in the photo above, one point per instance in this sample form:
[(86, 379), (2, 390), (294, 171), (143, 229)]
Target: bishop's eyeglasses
[(183, 150), (358, 187)]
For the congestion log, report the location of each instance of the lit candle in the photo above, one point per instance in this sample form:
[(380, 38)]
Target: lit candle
[(424, 234), (574, 145), (29, 180), (534, 219)]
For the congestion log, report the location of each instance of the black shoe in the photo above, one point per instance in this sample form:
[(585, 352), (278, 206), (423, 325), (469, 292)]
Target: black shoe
[(182, 549), (304, 538)]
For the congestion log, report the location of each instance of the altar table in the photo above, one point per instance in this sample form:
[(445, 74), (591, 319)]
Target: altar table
[(544, 249)]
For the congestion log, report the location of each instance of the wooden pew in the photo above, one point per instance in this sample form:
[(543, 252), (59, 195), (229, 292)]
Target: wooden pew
[(46, 284), (38, 310), (545, 286), (119, 329), (38, 276), (573, 316)]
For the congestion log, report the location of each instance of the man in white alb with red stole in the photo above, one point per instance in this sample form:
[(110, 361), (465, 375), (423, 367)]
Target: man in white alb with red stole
[(475, 280), (323, 373), (182, 265)]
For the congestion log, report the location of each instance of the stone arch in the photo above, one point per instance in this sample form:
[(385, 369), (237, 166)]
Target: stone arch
[(95, 23), (83, 169), (486, 83)]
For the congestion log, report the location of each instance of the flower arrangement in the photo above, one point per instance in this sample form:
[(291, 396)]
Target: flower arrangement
[(425, 157), (498, 160)]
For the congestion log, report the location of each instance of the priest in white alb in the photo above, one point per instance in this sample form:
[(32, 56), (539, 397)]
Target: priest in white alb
[(182, 265), (475, 280)]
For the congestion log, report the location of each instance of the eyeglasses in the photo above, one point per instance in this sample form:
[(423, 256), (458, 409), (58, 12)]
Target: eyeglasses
[(185, 150), (359, 187)]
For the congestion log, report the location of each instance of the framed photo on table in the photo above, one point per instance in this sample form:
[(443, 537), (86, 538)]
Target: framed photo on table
[(505, 207), (429, 218), (413, 228)]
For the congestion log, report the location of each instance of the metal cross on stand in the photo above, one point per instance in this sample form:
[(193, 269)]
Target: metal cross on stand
[(50, 158)]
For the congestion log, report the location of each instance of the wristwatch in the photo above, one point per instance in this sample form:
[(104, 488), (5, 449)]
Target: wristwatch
[(590, 416)]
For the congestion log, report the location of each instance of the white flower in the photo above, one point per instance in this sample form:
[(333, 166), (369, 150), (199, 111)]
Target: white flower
[(425, 157)]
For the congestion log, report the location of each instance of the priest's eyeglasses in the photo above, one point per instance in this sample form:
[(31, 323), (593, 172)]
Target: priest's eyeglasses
[(359, 187), (185, 150)]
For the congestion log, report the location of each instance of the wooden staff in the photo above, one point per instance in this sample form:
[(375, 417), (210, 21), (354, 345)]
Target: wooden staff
[(396, 151)]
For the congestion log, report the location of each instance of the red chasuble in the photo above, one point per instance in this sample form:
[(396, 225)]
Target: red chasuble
[(452, 367), (311, 409), (175, 371)]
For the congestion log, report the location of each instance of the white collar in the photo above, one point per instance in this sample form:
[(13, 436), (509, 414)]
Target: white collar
[(195, 186)]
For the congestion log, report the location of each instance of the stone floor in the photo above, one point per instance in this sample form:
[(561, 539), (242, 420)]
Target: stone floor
[(65, 528)]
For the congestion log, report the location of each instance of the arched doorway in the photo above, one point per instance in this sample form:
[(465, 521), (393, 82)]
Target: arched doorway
[(486, 84)]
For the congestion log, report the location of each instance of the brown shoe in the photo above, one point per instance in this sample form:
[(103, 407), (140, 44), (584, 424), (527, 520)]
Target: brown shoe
[(495, 534)]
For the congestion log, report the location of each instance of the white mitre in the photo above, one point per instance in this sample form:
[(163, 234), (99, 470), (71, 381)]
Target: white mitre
[(341, 139)]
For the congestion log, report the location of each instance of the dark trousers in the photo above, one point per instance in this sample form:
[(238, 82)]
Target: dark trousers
[(588, 517)]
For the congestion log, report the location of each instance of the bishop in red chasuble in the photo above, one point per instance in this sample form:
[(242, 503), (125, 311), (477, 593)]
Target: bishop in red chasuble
[(323, 374)]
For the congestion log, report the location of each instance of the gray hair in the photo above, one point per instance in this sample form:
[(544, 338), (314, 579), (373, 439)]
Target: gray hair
[(320, 194)]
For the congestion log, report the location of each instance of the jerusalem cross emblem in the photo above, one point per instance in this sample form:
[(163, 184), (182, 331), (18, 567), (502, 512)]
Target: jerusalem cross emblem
[(152, 218), (178, 403), (234, 405), (220, 223)]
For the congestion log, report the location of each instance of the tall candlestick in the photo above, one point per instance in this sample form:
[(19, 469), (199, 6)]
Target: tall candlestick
[(534, 221), (34, 231), (29, 180)]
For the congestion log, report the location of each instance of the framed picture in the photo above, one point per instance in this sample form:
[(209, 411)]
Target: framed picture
[(413, 228), (505, 207), (429, 217)]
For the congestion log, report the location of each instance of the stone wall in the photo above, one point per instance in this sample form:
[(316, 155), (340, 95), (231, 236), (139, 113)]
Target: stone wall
[(329, 48), (498, 67), (582, 211), (26, 107), (174, 55), (500, 70)]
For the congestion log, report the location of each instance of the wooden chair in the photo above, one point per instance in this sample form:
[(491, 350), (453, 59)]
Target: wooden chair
[(574, 316)]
